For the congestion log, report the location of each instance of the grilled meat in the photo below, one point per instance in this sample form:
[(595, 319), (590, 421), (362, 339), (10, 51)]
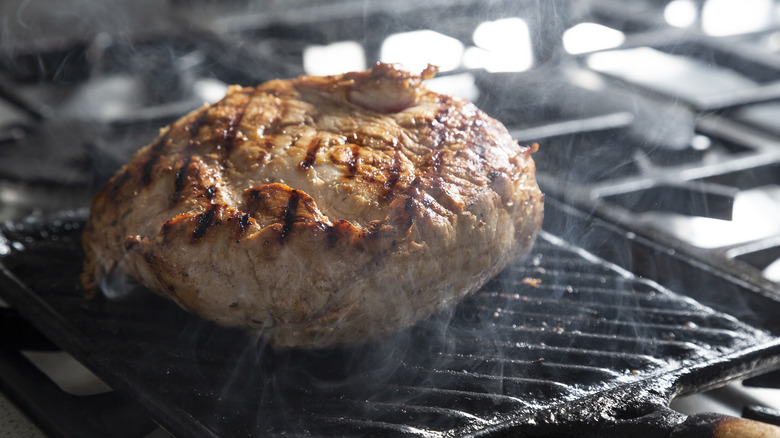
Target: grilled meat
[(319, 211)]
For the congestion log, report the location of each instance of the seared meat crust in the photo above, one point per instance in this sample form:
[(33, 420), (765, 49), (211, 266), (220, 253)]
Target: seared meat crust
[(319, 211)]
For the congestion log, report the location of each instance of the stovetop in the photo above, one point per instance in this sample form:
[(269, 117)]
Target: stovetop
[(672, 103)]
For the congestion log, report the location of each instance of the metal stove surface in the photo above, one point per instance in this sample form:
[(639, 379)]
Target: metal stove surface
[(697, 141)]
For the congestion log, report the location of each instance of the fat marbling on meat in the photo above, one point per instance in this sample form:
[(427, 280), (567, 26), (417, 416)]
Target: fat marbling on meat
[(319, 211)]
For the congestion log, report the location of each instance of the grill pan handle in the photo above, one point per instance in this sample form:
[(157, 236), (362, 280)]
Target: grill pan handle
[(723, 426)]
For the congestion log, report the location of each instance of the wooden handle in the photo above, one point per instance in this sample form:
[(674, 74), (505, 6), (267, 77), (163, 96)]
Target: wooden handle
[(723, 426)]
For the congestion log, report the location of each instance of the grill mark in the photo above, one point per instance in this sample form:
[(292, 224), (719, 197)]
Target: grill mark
[(243, 223), (118, 183), (211, 191), (273, 127), (331, 237), (394, 171), (155, 152), (311, 154), (205, 220), (352, 161), (181, 176), (157, 147), (227, 138), (146, 174), (290, 211), (166, 229), (194, 127)]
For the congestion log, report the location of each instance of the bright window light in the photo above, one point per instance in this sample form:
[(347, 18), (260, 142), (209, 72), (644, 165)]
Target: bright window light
[(772, 272), (754, 217), (680, 13), (210, 90), (729, 17), (589, 37), (475, 57), (502, 45), (639, 64), (333, 59), (462, 85), (415, 50), (674, 74), (773, 42)]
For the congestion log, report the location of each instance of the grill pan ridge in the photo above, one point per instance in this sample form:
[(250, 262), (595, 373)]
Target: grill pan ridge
[(557, 331)]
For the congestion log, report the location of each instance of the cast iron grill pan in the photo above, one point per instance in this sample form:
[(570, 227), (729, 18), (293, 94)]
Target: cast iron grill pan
[(559, 328)]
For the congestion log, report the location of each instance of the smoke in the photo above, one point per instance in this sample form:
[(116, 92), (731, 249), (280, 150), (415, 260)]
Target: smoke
[(41, 21), (116, 285)]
